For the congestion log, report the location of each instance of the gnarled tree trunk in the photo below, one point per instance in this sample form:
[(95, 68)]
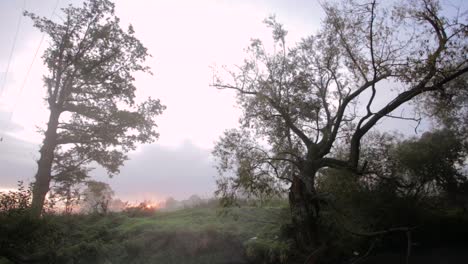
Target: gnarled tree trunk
[(305, 211)]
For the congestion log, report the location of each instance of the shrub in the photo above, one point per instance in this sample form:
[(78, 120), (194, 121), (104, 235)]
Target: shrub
[(141, 210), (267, 251), (15, 201)]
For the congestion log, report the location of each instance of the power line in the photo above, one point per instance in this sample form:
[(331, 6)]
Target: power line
[(35, 55), (28, 71), (13, 47)]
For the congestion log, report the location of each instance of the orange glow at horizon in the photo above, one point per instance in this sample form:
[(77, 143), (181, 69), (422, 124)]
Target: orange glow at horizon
[(148, 204)]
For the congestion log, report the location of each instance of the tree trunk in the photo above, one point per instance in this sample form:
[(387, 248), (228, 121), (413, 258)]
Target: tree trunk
[(43, 175), (304, 213)]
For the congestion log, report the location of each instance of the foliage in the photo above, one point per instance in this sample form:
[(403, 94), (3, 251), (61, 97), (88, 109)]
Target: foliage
[(201, 235), (117, 205), (186, 236), (238, 152), (67, 188), (97, 197), (143, 209), (18, 202), (94, 116), (268, 251), (416, 183), (433, 163), (311, 106), (449, 107), (170, 202), (300, 102), (24, 238), (15, 201), (429, 166)]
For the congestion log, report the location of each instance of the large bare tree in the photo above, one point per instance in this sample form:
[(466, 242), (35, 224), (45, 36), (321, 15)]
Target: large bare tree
[(300, 103)]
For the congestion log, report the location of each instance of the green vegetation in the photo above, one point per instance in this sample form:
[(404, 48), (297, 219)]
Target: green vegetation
[(311, 106), (247, 234), (245, 222), (195, 235)]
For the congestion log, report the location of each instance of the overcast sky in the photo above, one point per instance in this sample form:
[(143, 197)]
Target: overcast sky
[(186, 39)]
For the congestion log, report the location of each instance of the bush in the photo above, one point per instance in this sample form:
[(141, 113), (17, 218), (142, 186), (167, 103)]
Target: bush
[(15, 201), (24, 238), (27, 239), (267, 251), (141, 210)]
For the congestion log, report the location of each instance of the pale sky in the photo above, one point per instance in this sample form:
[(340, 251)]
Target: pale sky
[(186, 39)]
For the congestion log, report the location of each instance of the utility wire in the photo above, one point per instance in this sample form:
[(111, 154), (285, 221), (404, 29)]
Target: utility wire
[(34, 58), (13, 47), (29, 69)]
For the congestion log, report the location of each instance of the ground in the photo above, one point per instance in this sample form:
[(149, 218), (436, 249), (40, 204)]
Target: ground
[(195, 235)]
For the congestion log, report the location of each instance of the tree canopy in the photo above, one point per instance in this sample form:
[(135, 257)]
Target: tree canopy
[(310, 105), (94, 115), (301, 102), (97, 197)]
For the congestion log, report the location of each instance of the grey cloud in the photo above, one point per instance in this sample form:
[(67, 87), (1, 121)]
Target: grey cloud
[(164, 171), (14, 150), (6, 125), (154, 171), (17, 161)]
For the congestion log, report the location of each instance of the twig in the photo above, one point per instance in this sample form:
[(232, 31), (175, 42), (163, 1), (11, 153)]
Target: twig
[(381, 232)]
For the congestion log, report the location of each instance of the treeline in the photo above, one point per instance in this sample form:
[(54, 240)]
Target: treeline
[(198, 232)]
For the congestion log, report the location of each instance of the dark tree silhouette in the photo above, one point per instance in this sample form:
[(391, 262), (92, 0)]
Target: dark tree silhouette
[(91, 95), (301, 103)]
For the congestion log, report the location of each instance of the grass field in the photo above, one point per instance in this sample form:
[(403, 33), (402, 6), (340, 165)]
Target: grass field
[(195, 235), (202, 236)]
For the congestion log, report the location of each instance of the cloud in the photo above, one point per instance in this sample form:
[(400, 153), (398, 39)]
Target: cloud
[(185, 38), (6, 125), (17, 161), (156, 172)]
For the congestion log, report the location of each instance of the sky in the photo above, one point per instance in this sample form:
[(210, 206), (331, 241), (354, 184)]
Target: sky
[(186, 39)]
